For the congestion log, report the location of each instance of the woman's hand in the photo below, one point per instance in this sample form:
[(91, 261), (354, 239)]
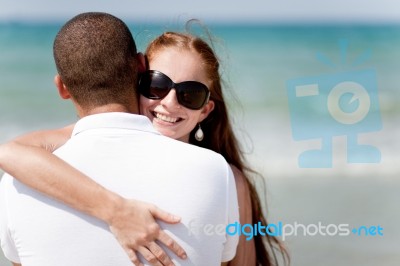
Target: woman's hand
[(133, 224)]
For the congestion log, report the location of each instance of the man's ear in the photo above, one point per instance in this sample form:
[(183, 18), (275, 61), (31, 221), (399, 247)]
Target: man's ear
[(141, 63), (62, 89)]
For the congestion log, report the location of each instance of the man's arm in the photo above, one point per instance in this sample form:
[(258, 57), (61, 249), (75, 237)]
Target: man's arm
[(132, 222)]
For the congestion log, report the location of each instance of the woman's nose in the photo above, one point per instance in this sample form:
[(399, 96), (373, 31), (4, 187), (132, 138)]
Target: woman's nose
[(171, 100)]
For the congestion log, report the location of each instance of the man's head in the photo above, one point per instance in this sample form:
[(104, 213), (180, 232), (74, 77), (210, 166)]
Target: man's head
[(96, 59)]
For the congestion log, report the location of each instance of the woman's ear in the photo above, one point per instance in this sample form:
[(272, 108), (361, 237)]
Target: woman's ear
[(62, 89), (207, 109)]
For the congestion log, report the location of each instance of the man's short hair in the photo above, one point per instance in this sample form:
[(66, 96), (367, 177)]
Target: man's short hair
[(95, 55)]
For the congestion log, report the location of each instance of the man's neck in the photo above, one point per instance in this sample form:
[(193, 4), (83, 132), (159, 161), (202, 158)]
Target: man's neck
[(109, 108)]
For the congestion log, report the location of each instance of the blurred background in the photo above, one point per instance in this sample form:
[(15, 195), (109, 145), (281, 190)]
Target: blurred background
[(262, 45)]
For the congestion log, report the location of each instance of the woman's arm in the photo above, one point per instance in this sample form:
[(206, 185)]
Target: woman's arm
[(29, 160), (245, 252), (49, 140)]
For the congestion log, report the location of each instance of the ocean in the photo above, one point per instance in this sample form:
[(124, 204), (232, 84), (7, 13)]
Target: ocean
[(257, 62)]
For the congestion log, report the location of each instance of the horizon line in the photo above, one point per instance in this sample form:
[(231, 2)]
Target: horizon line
[(310, 22)]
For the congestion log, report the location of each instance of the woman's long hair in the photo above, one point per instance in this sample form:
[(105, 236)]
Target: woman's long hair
[(218, 133)]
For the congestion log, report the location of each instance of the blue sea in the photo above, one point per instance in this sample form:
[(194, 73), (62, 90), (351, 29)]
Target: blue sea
[(257, 63)]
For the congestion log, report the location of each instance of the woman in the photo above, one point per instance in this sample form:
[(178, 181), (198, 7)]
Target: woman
[(174, 96)]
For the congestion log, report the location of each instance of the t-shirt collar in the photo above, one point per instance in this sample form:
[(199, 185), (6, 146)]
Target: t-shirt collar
[(114, 120)]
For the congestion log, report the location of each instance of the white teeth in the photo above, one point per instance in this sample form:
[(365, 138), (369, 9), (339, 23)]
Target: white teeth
[(166, 118)]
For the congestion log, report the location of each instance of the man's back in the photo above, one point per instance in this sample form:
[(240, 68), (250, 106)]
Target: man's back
[(124, 154)]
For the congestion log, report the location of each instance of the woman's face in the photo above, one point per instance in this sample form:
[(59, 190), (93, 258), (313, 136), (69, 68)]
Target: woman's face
[(169, 117)]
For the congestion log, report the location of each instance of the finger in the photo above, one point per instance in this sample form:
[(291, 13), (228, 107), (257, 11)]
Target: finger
[(172, 244), (165, 216), (149, 256), (133, 257), (160, 254)]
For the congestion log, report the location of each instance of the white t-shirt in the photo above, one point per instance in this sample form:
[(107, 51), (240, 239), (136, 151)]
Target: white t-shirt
[(125, 154)]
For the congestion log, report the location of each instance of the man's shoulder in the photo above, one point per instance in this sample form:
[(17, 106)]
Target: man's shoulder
[(190, 153), (187, 149)]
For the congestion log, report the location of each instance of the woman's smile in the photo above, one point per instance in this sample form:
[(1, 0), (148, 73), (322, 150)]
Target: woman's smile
[(166, 118)]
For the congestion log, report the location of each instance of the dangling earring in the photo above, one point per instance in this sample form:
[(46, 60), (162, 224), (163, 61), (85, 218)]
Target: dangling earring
[(199, 136)]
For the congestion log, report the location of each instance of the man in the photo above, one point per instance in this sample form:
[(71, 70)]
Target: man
[(98, 66)]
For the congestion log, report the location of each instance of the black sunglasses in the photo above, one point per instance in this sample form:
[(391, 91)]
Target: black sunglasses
[(154, 84)]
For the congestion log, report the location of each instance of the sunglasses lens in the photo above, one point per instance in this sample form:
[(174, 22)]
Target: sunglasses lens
[(192, 94), (154, 86)]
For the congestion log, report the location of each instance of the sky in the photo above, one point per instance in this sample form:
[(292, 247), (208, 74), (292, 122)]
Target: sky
[(269, 11)]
